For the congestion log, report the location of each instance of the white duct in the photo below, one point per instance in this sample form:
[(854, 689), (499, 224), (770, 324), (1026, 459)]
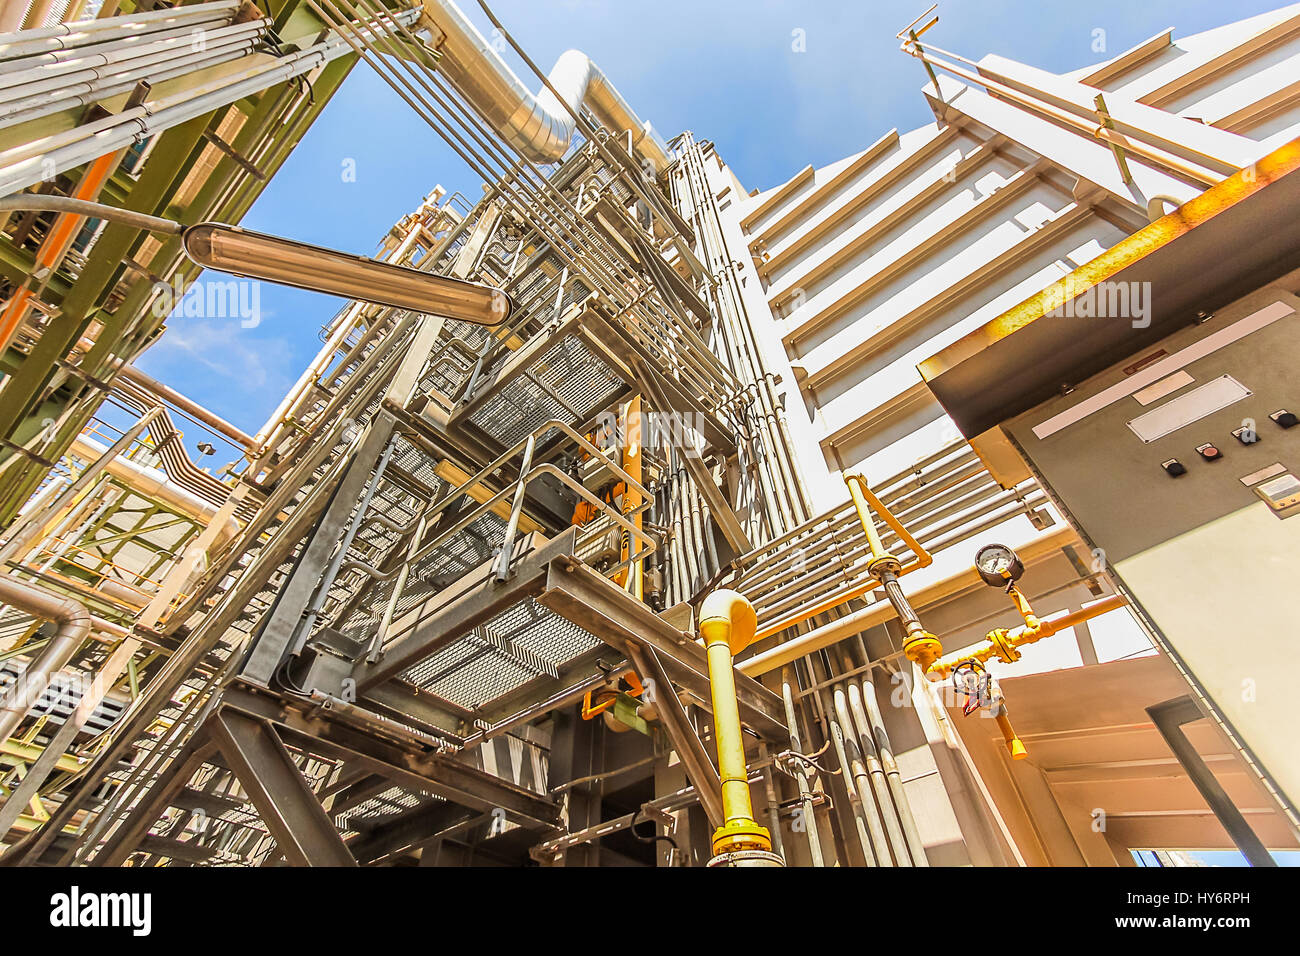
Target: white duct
[(154, 484), (538, 126)]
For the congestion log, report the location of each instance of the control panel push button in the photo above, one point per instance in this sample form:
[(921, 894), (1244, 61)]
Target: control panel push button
[(1284, 418)]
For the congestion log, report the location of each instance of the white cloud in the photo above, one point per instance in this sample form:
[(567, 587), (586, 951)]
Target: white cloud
[(224, 347)]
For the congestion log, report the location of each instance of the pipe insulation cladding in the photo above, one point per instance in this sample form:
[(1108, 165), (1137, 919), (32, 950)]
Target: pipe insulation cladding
[(539, 126)]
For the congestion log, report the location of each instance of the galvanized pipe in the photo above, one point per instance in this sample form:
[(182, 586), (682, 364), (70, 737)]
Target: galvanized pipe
[(875, 768), (876, 725), (100, 85), (66, 36), (34, 162), (809, 811), (856, 775), (73, 622)]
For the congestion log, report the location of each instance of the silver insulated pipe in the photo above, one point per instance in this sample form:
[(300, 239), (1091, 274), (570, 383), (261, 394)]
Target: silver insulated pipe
[(538, 126)]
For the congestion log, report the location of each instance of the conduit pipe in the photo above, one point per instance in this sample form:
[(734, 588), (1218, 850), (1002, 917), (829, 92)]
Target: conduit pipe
[(855, 773), (727, 626), (176, 462), (65, 36), (31, 78), (539, 126), (39, 160), (788, 680), (73, 622), (186, 405), (82, 85), (1039, 548), (875, 767), (885, 749), (38, 47)]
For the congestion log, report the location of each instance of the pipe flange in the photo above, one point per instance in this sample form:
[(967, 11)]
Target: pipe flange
[(1005, 650), (747, 858), (885, 564), (922, 648), (736, 835)]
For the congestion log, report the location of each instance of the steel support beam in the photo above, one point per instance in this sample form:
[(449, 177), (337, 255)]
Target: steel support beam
[(132, 831), (277, 636), (303, 831), (690, 749), (605, 610), (394, 836), (406, 765)]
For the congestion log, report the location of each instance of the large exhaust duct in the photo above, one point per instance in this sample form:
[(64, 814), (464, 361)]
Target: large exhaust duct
[(538, 126)]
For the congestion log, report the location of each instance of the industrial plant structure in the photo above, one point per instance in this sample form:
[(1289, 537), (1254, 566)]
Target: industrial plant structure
[(927, 509)]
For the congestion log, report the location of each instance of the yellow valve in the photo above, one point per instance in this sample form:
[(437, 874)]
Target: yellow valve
[(1022, 605), (727, 625), (1004, 644)]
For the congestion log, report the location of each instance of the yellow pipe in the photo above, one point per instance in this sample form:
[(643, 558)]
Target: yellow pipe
[(919, 645), (1022, 605), (856, 484), (1014, 745), (1004, 644), (727, 626)]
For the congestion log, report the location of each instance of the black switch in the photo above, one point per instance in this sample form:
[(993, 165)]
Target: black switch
[(1284, 418), (1174, 467), (1209, 451), (1246, 435)]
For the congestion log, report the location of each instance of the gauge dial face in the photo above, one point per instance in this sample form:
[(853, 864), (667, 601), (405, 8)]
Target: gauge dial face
[(995, 559)]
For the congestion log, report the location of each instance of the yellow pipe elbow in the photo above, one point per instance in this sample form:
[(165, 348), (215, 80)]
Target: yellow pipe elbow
[(728, 616)]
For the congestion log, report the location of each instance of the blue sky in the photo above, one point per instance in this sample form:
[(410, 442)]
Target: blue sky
[(725, 70)]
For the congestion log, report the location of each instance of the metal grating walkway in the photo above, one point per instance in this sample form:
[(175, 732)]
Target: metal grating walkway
[(568, 383), (486, 664)]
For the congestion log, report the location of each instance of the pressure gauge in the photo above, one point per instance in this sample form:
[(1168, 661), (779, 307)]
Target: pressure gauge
[(998, 565)]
